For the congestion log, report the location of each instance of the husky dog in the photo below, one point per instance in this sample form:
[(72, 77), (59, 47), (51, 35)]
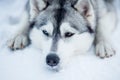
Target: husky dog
[(64, 28)]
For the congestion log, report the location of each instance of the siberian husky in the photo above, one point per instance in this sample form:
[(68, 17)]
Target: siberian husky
[(64, 28)]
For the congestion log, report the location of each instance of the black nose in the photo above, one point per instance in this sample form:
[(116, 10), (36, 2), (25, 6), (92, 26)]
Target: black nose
[(52, 60)]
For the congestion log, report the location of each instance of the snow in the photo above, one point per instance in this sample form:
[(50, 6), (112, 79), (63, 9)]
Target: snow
[(29, 64)]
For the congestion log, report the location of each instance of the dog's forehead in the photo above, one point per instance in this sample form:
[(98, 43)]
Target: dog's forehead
[(75, 19), (57, 16), (66, 27)]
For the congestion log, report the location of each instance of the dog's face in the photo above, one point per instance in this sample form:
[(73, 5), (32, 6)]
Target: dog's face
[(61, 33)]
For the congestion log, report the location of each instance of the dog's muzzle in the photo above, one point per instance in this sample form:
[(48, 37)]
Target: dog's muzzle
[(52, 60)]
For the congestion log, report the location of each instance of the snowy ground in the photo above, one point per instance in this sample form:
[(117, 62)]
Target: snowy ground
[(28, 64)]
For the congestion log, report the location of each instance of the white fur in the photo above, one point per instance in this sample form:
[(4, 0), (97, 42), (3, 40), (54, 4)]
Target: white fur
[(20, 39), (69, 47), (104, 47), (41, 41), (77, 44)]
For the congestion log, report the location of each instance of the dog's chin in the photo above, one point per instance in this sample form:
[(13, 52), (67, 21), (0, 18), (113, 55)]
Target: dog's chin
[(54, 69)]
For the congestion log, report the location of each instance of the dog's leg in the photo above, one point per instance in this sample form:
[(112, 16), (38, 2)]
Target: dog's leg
[(21, 40), (106, 25)]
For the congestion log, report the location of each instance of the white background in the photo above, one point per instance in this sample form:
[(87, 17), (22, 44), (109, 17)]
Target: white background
[(28, 64)]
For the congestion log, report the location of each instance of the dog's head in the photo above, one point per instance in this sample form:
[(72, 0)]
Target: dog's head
[(63, 29)]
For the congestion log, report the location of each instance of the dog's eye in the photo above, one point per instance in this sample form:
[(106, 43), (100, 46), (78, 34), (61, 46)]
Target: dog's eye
[(45, 33), (68, 34)]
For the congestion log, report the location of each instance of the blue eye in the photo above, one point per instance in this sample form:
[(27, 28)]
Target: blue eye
[(45, 33)]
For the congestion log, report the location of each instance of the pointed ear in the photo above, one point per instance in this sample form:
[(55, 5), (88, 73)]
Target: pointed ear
[(86, 8), (35, 7)]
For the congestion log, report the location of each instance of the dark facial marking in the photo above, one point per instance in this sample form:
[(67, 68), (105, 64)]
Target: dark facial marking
[(47, 4), (62, 2), (32, 24), (90, 30), (58, 16)]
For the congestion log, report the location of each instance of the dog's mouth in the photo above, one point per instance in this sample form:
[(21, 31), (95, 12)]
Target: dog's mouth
[(54, 69)]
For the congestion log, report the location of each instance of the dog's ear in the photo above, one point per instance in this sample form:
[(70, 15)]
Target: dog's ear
[(86, 8), (35, 7), (38, 5)]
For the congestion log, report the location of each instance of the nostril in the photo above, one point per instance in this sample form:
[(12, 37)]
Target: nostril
[(52, 60)]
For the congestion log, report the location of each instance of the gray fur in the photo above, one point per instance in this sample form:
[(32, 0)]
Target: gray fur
[(60, 11), (110, 1)]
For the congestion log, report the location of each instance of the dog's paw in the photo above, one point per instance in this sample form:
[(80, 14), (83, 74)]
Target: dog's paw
[(104, 50), (18, 42)]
